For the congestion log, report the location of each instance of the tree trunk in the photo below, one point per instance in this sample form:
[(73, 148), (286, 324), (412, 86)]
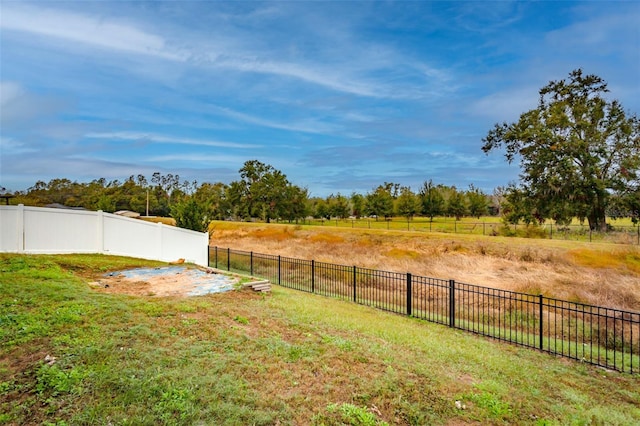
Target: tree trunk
[(597, 216)]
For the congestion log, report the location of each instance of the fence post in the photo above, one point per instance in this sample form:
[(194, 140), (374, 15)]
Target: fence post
[(216, 256), (541, 334), (279, 269), (228, 259), (208, 256), (251, 267), (313, 276), (409, 294), (452, 303), (354, 283)]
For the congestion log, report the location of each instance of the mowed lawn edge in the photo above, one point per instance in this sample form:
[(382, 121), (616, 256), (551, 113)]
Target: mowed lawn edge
[(70, 354)]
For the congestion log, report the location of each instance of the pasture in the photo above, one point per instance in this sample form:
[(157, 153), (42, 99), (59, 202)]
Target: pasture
[(603, 274), (70, 354), (623, 231)]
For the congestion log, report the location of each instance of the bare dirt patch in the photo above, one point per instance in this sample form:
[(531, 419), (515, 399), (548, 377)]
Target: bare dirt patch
[(164, 281)]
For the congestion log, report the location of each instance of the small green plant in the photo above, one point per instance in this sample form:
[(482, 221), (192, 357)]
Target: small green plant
[(349, 414), (56, 381), (175, 405), (241, 320), (490, 402)]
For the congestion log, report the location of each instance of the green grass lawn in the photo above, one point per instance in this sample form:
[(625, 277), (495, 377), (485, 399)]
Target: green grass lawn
[(70, 354)]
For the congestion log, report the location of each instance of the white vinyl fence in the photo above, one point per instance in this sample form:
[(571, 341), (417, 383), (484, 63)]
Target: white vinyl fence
[(45, 230)]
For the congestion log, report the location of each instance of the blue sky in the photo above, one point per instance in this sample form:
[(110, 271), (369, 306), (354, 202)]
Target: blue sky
[(339, 96)]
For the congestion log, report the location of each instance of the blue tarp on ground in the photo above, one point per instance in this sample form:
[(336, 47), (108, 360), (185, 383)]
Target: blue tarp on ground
[(200, 282)]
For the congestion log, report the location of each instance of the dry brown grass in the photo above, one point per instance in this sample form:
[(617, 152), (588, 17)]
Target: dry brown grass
[(599, 274), (155, 219)]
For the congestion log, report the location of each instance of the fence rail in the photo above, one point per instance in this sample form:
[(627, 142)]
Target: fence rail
[(596, 335), (621, 234)]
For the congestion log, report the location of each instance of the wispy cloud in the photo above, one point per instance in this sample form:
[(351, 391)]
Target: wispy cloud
[(353, 76), (307, 125), (165, 139), (19, 106), (84, 29), (197, 158)]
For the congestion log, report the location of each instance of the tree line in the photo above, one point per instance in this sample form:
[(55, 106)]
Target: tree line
[(262, 192), (579, 155)]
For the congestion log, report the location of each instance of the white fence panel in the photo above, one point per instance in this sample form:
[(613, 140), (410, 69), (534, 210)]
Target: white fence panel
[(60, 231), (130, 237), (45, 230), (10, 238), (177, 243)]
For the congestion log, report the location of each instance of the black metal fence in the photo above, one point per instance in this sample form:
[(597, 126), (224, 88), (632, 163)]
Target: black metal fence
[(595, 335)]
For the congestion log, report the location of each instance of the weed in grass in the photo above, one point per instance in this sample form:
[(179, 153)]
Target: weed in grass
[(54, 381), (495, 407), (347, 414), (175, 406), (241, 320)]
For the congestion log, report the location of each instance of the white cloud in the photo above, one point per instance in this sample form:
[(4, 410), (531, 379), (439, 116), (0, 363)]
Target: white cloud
[(155, 138), (19, 106), (9, 92), (238, 51), (84, 29), (506, 105), (197, 158), (307, 126)]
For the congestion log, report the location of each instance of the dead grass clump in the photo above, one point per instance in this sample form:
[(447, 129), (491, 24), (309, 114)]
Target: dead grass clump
[(398, 253), (326, 238), (277, 234), (623, 260)]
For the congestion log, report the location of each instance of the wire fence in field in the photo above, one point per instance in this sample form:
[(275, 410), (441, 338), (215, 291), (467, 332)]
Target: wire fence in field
[(595, 335), (621, 234)]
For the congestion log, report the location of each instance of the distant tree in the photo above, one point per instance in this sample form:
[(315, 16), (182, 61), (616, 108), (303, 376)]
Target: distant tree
[(191, 214), (478, 203), (296, 203), (517, 206), (338, 206), (380, 202), (432, 201), (320, 209), (576, 150), (212, 196), (456, 204), (407, 203), (266, 193), (106, 203), (357, 205)]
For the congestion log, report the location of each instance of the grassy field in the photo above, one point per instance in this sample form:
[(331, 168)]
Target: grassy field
[(595, 273), (70, 354), (625, 231)]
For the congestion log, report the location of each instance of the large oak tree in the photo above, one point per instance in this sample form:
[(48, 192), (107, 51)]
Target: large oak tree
[(575, 150)]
